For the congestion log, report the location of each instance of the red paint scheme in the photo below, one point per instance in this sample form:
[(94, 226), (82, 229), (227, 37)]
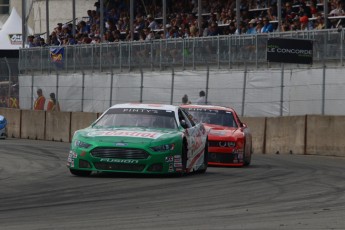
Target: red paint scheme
[(232, 130)]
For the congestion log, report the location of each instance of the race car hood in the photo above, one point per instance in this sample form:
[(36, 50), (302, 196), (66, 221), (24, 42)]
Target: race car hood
[(220, 132), (122, 135)]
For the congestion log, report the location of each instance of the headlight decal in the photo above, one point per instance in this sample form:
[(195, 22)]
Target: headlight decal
[(227, 144), (81, 144), (163, 148)]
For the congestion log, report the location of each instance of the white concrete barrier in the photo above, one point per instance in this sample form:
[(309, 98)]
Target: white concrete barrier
[(311, 134), (285, 135), (33, 124), (13, 121), (325, 135), (257, 128), (80, 120), (58, 126)]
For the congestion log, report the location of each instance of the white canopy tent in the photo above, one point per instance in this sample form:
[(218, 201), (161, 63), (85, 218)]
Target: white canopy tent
[(11, 32)]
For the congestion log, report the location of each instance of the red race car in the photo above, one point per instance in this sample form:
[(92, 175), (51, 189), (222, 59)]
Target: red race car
[(229, 140)]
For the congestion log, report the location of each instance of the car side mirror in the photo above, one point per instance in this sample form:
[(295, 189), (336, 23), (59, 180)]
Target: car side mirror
[(243, 125), (184, 124)]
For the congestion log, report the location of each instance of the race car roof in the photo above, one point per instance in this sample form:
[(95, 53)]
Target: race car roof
[(214, 107), (145, 106)]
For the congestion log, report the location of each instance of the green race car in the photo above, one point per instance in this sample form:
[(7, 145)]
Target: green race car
[(140, 138)]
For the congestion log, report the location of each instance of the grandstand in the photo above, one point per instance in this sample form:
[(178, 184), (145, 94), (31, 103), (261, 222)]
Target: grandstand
[(198, 55), (155, 19)]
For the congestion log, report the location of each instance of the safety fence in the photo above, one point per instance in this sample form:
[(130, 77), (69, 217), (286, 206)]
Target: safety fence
[(220, 52), (261, 93), (8, 82)]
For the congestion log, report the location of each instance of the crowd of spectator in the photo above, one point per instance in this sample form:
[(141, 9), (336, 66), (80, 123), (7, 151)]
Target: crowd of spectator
[(219, 18)]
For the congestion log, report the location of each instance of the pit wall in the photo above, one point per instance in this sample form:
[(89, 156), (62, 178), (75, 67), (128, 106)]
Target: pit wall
[(309, 134)]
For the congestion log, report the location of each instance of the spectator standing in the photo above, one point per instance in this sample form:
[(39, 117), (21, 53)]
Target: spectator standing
[(185, 100), (202, 98), (53, 104), (40, 101)]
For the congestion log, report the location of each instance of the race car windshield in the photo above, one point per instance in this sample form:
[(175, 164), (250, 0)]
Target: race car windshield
[(214, 117), (144, 118)]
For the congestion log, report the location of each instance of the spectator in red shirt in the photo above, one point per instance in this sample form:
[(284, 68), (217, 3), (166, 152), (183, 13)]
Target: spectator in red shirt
[(40, 101)]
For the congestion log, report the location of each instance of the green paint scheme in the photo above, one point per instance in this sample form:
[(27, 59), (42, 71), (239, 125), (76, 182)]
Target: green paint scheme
[(95, 139), (139, 138)]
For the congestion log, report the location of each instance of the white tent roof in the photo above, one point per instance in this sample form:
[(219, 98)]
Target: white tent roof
[(11, 32), (3, 19)]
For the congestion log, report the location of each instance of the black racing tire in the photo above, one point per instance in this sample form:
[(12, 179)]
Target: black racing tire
[(205, 165), (247, 160), (80, 172)]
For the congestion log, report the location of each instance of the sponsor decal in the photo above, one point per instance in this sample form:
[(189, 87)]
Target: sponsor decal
[(121, 144), (177, 165), (72, 154), (126, 161), (140, 110), (169, 159), (15, 39), (171, 168), (120, 133), (177, 159), (218, 132), (178, 169), (203, 110)]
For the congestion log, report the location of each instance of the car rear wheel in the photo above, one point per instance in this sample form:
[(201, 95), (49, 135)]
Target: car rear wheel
[(80, 172), (248, 159)]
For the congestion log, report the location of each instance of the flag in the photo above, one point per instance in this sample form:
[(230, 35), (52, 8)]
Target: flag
[(57, 56)]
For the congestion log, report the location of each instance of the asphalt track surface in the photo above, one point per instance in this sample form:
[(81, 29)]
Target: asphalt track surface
[(275, 192)]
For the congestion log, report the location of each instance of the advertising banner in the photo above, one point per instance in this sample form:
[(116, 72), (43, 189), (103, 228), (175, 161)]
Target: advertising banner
[(287, 50)]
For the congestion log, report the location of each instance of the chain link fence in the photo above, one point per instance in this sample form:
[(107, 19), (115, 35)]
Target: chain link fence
[(261, 93), (233, 70), (221, 52), (9, 88)]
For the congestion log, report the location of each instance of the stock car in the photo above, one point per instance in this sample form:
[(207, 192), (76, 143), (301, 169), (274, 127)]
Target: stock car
[(229, 140), (140, 138), (3, 128)]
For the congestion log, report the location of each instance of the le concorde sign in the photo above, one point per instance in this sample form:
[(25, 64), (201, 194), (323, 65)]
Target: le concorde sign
[(289, 50)]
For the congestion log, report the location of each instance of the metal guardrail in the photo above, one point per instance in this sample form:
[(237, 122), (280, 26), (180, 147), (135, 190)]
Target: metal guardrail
[(222, 52)]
